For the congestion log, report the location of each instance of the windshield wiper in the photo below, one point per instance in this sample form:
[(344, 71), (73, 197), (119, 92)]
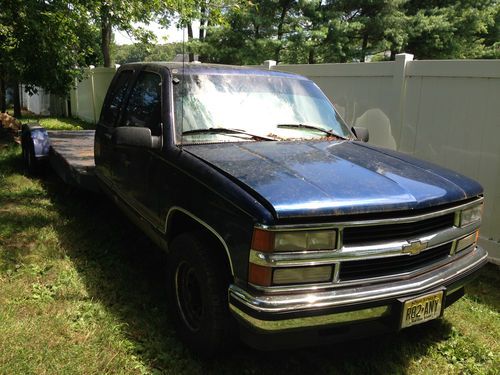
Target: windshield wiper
[(226, 131), (329, 132)]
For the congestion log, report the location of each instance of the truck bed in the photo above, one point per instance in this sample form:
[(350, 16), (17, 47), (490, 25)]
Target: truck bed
[(71, 155)]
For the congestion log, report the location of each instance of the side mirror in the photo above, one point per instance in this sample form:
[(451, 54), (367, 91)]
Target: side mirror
[(361, 133), (135, 137)]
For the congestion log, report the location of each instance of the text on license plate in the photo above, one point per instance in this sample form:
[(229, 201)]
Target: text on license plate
[(422, 309)]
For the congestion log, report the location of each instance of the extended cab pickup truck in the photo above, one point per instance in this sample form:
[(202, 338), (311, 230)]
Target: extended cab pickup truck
[(280, 224)]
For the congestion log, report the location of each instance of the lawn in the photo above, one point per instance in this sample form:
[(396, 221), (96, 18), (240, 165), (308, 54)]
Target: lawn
[(56, 123), (81, 293)]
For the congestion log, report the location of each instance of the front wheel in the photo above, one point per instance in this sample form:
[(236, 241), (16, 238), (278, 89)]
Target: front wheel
[(198, 281)]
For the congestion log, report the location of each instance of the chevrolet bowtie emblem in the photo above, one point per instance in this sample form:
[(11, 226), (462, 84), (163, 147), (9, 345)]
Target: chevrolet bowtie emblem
[(414, 247)]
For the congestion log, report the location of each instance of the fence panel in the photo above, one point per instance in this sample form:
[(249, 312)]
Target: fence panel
[(447, 112), (88, 96), (452, 117)]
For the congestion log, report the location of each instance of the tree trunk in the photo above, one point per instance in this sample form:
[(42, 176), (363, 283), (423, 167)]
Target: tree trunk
[(393, 54), (106, 34), (311, 59), (3, 102), (284, 10), (207, 28), (203, 20), (257, 30), (17, 100), (364, 46), (190, 38)]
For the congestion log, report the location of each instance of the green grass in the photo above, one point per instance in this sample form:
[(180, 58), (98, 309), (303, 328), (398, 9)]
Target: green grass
[(58, 123), (81, 293)]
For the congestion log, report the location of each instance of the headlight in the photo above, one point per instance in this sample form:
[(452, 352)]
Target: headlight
[(301, 275), (269, 241), (470, 215), (300, 240), (267, 276)]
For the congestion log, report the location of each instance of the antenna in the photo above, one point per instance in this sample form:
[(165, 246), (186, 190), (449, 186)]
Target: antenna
[(183, 83)]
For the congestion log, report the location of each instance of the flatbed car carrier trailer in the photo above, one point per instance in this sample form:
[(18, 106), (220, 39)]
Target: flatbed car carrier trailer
[(69, 153)]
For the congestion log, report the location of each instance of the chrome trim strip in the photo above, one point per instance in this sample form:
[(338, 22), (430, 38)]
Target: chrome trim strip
[(336, 273), (379, 250), (282, 303), (313, 321), (341, 224), (212, 230)]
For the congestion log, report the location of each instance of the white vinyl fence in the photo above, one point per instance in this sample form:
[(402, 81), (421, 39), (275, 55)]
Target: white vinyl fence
[(446, 112), (88, 96), (42, 102)]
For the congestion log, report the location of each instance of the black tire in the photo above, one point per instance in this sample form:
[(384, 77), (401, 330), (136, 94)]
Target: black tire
[(30, 162), (197, 290)]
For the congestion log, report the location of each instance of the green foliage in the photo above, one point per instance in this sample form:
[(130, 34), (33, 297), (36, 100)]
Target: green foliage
[(45, 42), (315, 31), (137, 52), (453, 29), (59, 123)]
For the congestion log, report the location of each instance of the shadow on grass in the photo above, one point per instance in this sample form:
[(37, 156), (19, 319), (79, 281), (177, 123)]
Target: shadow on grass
[(123, 270)]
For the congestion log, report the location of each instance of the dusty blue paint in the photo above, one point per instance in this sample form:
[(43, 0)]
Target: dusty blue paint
[(335, 178)]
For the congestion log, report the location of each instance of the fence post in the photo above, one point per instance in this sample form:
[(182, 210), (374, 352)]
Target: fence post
[(402, 59), (92, 73), (76, 109), (269, 64)]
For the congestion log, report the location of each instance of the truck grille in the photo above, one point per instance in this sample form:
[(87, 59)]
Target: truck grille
[(368, 268), (391, 232)]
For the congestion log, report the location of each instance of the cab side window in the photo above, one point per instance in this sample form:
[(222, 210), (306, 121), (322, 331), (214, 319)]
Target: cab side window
[(144, 104), (112, 108)]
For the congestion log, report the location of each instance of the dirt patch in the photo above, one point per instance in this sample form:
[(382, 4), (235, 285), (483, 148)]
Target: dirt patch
[(9, 122)]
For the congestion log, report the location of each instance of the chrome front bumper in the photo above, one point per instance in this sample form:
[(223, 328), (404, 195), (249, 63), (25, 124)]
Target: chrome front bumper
[(281, 312)]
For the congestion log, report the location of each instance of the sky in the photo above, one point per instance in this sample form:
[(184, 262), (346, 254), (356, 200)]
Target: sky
[(172, 34)]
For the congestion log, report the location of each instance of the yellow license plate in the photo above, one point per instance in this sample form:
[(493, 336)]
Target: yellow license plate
[(422, 309)]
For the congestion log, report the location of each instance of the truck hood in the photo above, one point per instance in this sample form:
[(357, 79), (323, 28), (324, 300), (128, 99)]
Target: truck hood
[(334, 178)]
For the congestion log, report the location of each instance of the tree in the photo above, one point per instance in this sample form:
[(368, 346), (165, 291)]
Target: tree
[(45, 44), (145, 52), (123, 15), (209, 14), (446, 29), (371, 26)]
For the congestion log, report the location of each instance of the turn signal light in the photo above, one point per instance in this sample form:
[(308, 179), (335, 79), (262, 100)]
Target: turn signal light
[(467, 241), (259, 275), (263, 240)]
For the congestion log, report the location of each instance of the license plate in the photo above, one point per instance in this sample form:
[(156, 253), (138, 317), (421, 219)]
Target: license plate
[(422, 309)]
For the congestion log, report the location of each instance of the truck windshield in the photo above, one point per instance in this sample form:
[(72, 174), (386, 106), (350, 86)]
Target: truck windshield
[(255, 107)]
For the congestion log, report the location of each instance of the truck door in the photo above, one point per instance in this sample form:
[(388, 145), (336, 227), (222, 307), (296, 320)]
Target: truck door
[(133, 169), (103, 148)]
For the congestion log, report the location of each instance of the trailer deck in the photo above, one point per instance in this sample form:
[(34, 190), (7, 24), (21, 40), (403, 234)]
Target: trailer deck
[(71, 155)]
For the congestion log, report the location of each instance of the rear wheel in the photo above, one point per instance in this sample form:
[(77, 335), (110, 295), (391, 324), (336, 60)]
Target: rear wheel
[(30, 162), (197, 284)]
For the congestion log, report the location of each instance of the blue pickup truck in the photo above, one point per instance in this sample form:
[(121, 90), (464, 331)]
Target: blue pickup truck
[(280, 224)]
